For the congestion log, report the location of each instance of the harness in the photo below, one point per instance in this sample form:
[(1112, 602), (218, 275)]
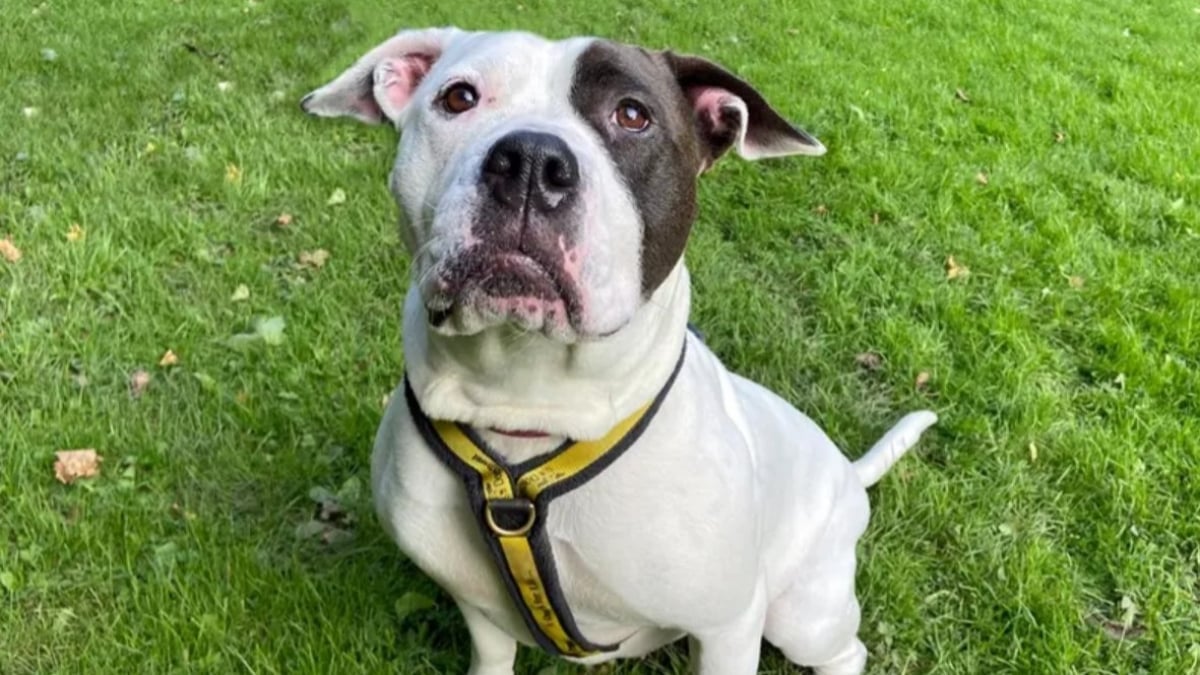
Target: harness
[(511, 503)]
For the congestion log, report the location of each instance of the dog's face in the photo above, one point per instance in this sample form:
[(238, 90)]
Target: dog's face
[(550, 185)]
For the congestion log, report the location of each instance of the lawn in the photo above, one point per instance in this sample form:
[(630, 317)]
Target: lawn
[(162, 185)]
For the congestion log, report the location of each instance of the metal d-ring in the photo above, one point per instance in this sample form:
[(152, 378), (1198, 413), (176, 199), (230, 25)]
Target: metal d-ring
[(522, 507)]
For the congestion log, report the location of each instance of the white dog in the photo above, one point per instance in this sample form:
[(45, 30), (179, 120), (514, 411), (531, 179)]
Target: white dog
[(565, 459)]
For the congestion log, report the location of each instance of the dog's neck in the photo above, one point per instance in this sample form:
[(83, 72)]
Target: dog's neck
[(502, 379)]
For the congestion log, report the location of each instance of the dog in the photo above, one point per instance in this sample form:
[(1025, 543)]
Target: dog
[(564, 457)]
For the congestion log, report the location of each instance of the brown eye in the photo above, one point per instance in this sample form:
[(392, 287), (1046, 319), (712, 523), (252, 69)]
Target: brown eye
[(631, 115), (460, 98)]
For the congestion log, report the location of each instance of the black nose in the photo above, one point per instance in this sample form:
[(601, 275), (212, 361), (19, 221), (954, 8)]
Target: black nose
[(529, 169)]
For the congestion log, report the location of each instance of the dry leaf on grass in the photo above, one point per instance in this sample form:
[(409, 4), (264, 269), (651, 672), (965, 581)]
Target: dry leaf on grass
[(962, 96), (337, 197), (1075, 282), (233, 174), (314, 259), (242, 292), (283, 220), (821, 209), (71, 465), (954, 270), (869, 361), (922, 381), (981, 178), (75, 233), (138, 382), (1128, 627), (1060, 137), (168, 359), (9, 250), (1033, 451)]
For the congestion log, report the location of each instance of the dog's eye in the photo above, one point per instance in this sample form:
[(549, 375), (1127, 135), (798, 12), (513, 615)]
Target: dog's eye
[(631, 116), (460, 98)]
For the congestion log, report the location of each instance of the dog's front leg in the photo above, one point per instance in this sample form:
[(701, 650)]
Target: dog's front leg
[(732, 649), (492, 650)]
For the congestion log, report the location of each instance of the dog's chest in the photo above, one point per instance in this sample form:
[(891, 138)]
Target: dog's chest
[(633, 547)]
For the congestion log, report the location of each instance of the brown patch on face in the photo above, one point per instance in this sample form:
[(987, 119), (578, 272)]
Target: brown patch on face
[(659, 164)]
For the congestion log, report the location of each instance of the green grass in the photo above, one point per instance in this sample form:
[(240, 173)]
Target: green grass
[(981, 558)]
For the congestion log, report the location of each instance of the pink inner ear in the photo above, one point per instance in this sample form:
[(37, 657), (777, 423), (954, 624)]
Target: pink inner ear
[(709, 102), (400, 77)]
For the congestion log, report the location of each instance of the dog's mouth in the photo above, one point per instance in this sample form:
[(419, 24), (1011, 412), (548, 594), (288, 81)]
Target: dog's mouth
[(483, 286)]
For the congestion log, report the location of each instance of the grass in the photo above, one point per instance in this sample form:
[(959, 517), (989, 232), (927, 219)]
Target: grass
[(1075, 332)]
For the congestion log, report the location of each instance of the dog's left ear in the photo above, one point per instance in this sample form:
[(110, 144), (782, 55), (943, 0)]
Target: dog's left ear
[(381, 83), (731, 113)]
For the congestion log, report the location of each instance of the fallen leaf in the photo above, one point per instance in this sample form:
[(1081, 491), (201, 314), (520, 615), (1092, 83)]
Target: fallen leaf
[(1127, 628), (981, 178), (168, 359), (233, 174), (283, 220), (71, 465), (9, 250), (875, 218), (922, 381), (75, 233), (49, 54), (1119, 380), (869, 361), (1075, 282), (1033, 451), (337, 197), (241, 293), (150, 148), (1060, 137), (30, 111), (1129, 610), (821, 210), (962, 96), (954, 270), (383, 402), (792, 31), (271, 330), (314, 259), (138, 382), (224, 86), (266, 330)]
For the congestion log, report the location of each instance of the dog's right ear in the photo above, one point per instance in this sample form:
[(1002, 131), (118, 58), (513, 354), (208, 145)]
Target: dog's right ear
[(382, 82)]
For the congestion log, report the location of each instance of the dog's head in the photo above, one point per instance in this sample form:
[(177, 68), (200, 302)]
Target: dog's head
[(550, 185)]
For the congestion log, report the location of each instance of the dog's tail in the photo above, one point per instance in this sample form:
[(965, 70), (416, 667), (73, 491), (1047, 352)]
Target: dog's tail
[(892, 446)]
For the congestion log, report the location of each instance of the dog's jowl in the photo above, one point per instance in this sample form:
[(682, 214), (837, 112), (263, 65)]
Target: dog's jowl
[(574, 468)]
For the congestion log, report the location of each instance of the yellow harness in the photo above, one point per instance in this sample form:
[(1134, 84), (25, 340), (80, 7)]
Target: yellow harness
[(511, 503)]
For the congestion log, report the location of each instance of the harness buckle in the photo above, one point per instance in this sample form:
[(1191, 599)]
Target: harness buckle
[(509, 517)]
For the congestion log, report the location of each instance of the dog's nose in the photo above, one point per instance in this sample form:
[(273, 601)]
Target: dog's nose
[(529, 169)]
